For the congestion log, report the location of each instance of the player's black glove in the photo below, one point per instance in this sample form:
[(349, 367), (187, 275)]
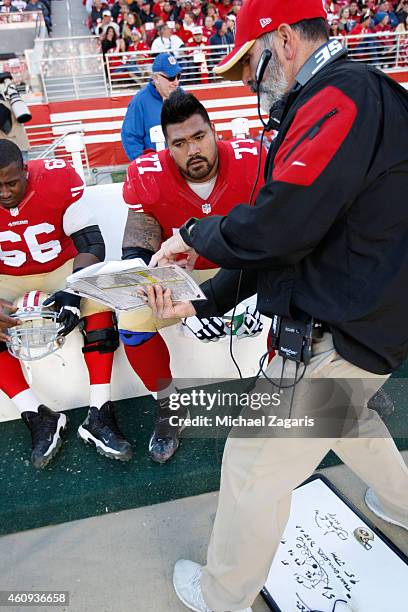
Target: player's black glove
[(67, 306), (206, 330)]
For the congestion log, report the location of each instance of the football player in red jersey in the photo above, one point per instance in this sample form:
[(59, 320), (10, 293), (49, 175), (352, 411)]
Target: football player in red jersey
[(197, 175), (46, 232)]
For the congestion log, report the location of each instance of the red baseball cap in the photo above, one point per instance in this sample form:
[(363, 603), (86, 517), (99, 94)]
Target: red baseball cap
[(257, 17)]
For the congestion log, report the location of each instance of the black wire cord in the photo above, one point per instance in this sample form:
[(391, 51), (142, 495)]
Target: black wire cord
[(258, 173)]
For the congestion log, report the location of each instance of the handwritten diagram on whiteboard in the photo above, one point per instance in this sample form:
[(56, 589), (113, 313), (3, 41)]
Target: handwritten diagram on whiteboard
[(320, 559)]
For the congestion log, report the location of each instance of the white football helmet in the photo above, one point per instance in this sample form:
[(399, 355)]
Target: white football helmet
[(37, 336)]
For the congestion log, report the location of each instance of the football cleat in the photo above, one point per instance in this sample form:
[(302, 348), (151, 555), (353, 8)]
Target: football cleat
[(45, 427), (100, 428), (165, 438), (37, 336), (382, 403)]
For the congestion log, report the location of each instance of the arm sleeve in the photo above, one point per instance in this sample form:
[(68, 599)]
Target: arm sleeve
[(319, 169), (221, 292), (133, 131)]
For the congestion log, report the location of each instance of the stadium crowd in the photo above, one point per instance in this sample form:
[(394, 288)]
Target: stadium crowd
[(168, 25), (27, 6)]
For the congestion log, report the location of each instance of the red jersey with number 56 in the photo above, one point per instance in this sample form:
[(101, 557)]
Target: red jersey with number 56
[(155, 186), (34, 237)]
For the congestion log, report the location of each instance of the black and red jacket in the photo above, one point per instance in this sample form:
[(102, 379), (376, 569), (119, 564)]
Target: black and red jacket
[(328, 234)]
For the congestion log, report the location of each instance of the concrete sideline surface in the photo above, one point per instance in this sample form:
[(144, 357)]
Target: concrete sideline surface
[(123, 562)]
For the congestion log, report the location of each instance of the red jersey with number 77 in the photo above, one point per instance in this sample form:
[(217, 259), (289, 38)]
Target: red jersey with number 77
[(155, 186), (34, 237)]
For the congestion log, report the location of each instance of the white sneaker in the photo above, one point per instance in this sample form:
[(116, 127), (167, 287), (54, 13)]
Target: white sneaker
[(186, 582), (375, 506)]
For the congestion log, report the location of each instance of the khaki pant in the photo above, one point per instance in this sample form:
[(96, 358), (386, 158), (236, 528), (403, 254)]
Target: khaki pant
[(259, 475), (12, 287), (140, 320)]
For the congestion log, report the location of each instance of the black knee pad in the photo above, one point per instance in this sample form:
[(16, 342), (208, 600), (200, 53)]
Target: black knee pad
[(104, 340), (3, 347)]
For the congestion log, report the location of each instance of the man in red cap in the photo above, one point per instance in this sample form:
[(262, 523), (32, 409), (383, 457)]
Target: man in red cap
[(329, 263)]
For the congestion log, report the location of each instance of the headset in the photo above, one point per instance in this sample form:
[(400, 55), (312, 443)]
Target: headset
[(262, 66)]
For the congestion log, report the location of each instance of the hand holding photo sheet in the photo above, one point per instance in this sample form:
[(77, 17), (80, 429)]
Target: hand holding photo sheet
[(117, 283)]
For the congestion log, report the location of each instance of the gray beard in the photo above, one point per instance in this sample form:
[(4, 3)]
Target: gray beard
[(274, 85)]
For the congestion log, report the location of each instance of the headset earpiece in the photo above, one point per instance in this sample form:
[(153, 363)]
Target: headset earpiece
[(262, 65)]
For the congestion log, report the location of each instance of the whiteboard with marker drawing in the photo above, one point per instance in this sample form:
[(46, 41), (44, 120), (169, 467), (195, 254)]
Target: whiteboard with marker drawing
[(321, 559)]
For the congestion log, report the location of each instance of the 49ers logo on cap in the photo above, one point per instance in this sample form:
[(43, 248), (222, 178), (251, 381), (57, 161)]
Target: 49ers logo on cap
[(265, 21)]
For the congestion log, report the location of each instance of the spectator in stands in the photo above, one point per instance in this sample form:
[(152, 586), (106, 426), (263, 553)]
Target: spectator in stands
[(222, 35), (188, 22), (402, 11), (335, 30), (364, 48), (7, 7), (146, 15), (354, 11), (166, 41), (37, 5), (131, 22), (121, 18), (170, 11), (144, 110), (366, 25), (385, 43), (116, 8), (387, 7), (346, 23), (107, 22), (224, 8), (138, 44), (212, 12), (136, 7), (185, 8), (197, 13), (403, 47), (96, 15), (157, 8), (109, 41), (180, 31), (209, 29), (197, 59), (231, 23)]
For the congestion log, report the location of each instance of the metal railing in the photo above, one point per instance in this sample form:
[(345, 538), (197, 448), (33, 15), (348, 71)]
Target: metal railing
[(78, 74), (390, 53), (387, 50), (17, 21), (128, 72), (44, 143), (73, 78)]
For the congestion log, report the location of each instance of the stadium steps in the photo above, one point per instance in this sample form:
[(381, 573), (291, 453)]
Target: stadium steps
[(72, 88), (79, 483)]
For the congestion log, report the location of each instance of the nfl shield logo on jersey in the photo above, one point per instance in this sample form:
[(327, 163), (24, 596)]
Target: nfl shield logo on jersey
[(206, 208)]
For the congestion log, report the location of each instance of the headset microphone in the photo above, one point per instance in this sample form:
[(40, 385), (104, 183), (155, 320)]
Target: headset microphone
[(262, 65)]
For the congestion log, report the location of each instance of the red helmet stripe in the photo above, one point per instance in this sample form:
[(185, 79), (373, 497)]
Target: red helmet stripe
[(37, 298)]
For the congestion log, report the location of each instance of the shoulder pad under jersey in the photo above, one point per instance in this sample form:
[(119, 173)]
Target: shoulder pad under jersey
[(145, 179), (57, 181)]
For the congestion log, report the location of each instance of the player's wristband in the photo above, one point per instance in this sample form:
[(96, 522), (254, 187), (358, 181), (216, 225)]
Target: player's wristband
[(137, 252), (187, 230)]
